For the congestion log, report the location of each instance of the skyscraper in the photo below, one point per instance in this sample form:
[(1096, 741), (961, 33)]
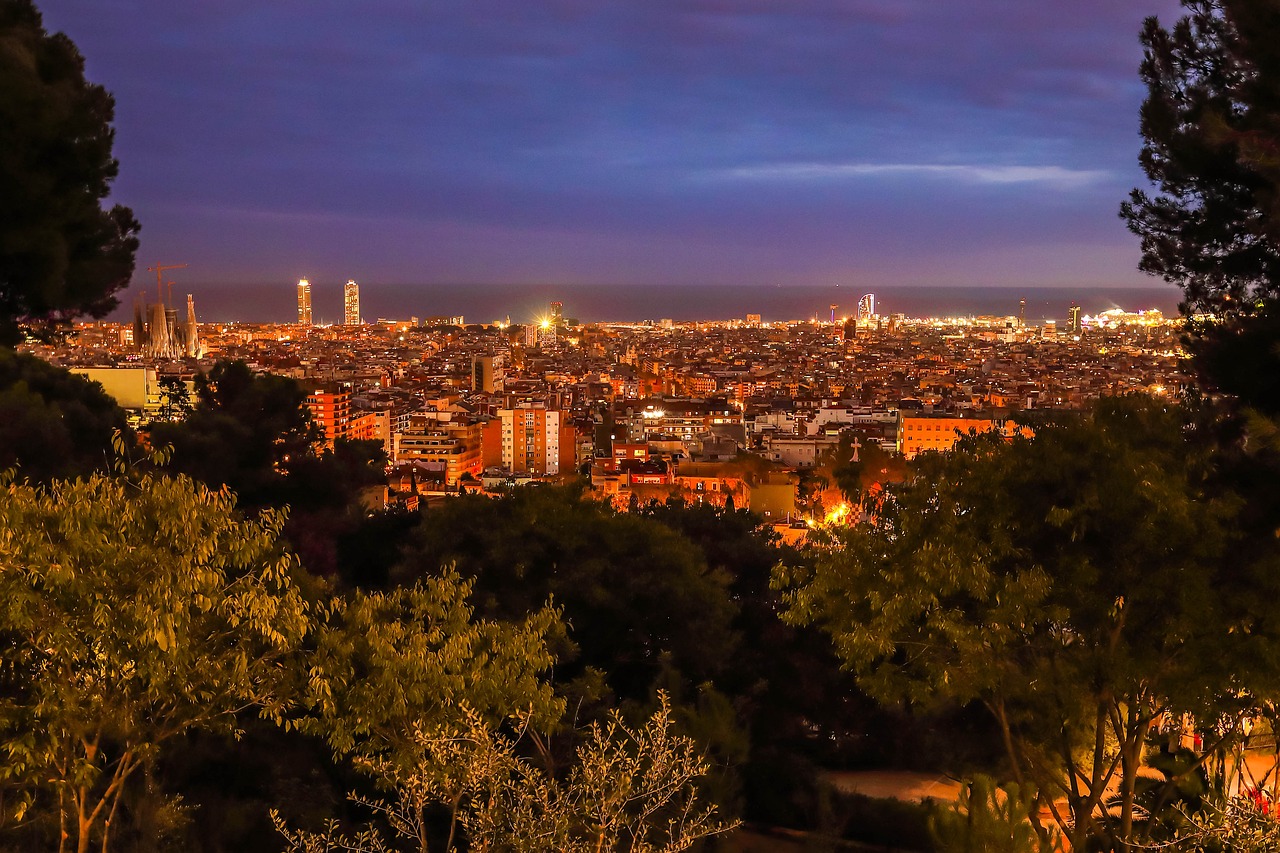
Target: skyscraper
[(556, 327), (351, 304), (1073, 319), (304, 302)]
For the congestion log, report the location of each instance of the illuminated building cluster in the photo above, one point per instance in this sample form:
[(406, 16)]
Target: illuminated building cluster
[(652, 410)]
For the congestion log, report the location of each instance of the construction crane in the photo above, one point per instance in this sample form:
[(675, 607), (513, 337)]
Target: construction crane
[(159, 269)]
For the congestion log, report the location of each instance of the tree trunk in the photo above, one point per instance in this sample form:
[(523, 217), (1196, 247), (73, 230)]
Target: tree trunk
[(1128, 785)]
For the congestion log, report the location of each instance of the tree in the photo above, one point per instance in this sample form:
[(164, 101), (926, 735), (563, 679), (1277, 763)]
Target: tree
[(52, 422), (1078, 585), (1211, 125), (244, 432), (639, 598), (385, 664), (631, 788), (132, 613), (61, 253), (175, 400), (255, 435)]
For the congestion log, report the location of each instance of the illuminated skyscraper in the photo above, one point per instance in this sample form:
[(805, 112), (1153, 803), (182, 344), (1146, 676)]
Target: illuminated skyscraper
[(557, 324), (304, 302), (1073, 319), (866, 307), (351, 304)]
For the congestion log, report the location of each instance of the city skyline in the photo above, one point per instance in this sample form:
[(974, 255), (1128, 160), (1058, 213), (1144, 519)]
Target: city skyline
[(871, 143)]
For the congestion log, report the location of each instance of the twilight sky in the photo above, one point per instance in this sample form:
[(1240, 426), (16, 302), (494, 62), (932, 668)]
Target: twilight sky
[(869, 142)]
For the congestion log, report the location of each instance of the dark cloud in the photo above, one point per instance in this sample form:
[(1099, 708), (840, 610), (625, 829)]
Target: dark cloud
[(625, 141)]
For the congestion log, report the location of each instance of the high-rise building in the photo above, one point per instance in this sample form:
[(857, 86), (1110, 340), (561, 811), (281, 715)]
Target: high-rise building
[(482, 378), (1022, 313), (351, 304), (1073, 319), (866, 307), (532, 440), (330, 407), (304, 302), (550, 336)]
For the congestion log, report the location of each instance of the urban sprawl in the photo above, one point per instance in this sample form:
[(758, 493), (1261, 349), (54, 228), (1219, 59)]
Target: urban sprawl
[(733, 410)]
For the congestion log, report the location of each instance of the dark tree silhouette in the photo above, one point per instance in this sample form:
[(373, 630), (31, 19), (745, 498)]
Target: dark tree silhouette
[(61, 253), (1211, 125)]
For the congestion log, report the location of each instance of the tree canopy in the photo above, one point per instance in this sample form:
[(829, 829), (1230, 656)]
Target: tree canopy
[(61, 253), (1078, 585), (133, 613), (255, 434), (52, 422), (637, 597), (1211, 130)]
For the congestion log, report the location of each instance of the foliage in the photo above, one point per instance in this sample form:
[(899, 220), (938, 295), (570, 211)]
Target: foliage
[(638, 598), (870, 822), (52, 422), (255, 435), (384, 663), (132, 613), (366, 553), (61, 254), (631, 788), (175, 399), (244, 432), (1205, 125), (1078, 585), (1244, 825), (1211, 125), (989, 818)]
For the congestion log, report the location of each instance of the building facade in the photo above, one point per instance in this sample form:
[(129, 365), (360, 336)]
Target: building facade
[(918, 433), (482, 373), (330, 407), (351, 304), (451, 447), (304, 302), (533, 441)]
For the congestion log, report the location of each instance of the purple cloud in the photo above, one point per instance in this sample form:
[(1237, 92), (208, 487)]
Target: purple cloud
[(736, 139)]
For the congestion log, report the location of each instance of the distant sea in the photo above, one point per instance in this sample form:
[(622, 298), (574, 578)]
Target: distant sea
[(276, 302)]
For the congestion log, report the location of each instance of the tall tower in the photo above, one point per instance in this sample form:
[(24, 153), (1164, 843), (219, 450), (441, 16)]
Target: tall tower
[(1073, 319), (1022, 313), (304, 302), (195, 348), (556, 324), (351, 304)]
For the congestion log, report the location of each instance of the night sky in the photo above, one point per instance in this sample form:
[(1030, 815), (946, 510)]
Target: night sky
[(871, 142)]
